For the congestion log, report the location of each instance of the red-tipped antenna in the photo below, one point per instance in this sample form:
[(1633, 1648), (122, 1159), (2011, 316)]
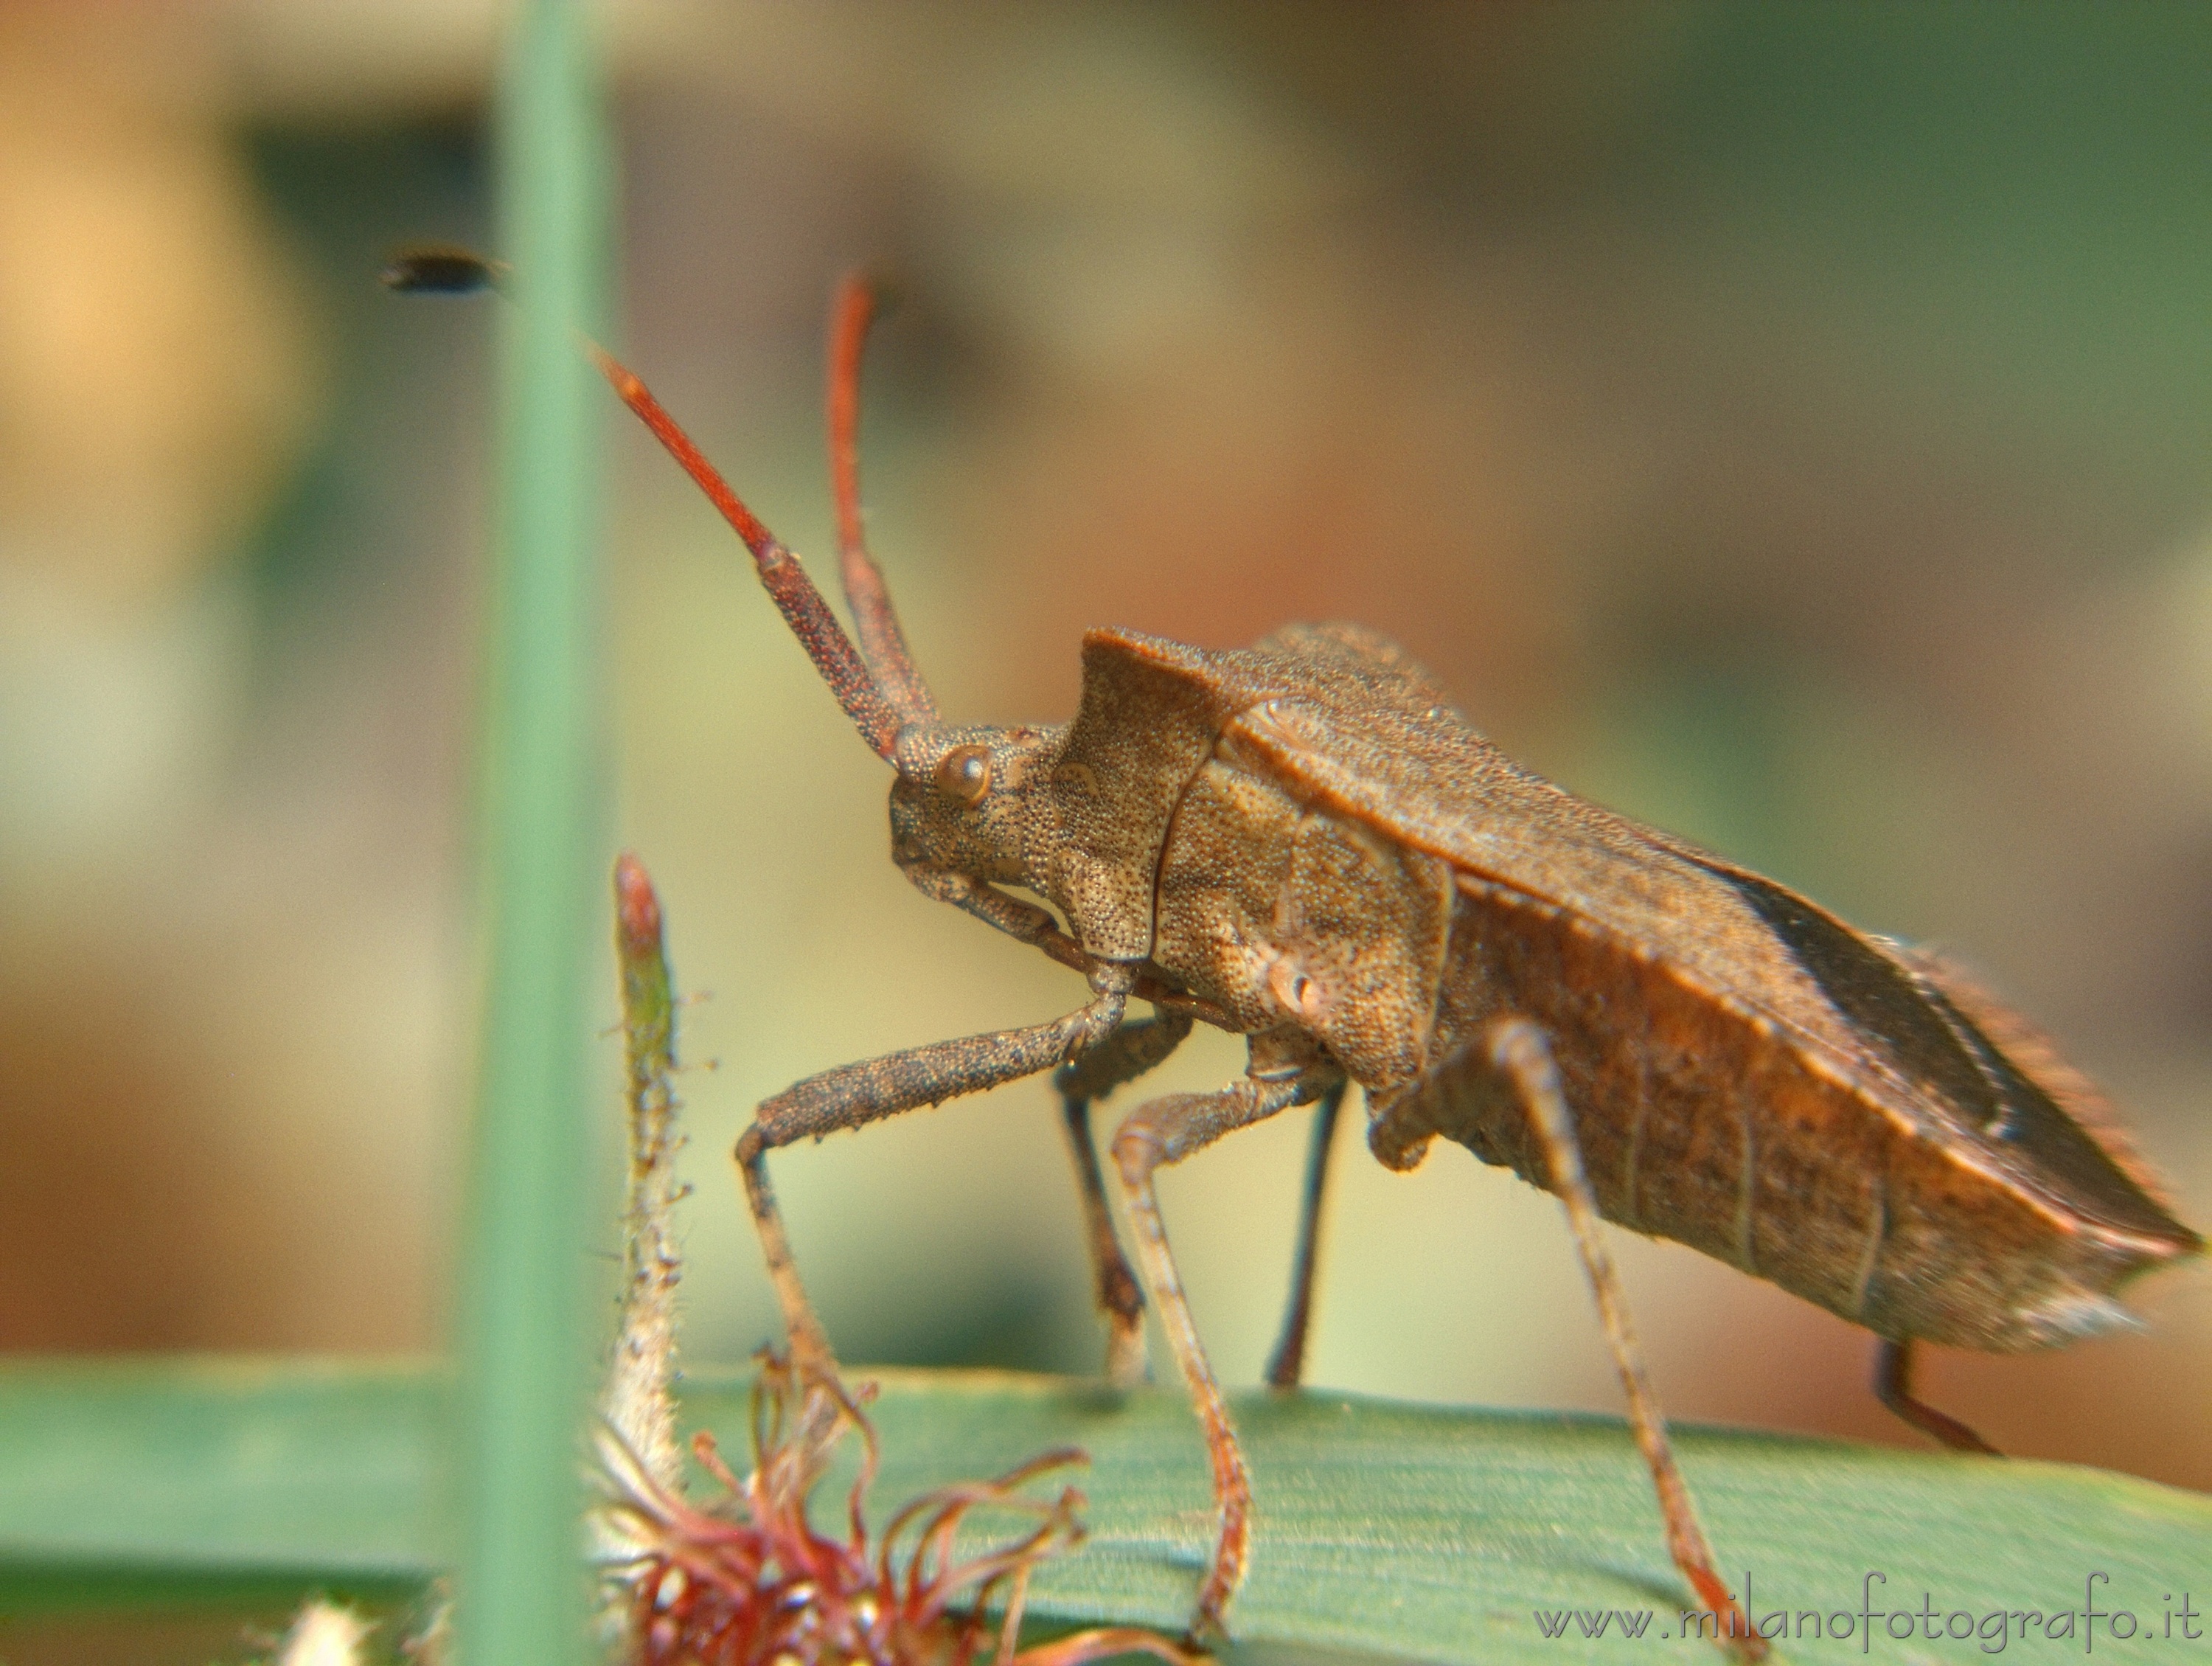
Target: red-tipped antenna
[(883, 644), (868, 705), (873, 705)]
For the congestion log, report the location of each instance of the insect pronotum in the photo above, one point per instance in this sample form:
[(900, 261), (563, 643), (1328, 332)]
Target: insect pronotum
[(1304, 844)]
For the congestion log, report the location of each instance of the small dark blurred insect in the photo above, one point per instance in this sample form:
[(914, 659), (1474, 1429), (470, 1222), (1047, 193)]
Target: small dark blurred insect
[(1304, 844)]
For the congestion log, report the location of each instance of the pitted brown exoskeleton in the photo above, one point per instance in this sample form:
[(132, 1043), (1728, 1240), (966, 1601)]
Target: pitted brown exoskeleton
[(1304, 843)]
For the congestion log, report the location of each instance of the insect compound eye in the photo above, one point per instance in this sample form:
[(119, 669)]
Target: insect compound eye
[(964, 773)]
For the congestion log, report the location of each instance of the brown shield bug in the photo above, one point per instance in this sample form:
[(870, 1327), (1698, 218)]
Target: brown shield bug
[(1303, 843)]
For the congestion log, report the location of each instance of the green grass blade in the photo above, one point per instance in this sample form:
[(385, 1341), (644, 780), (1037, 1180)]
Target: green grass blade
[(526, 1312), (218, 1482), (1411, 1532)]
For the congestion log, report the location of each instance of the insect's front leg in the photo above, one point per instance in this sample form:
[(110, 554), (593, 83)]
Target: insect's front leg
[(1127, 1054), (855, 1095), (1285, 1072)]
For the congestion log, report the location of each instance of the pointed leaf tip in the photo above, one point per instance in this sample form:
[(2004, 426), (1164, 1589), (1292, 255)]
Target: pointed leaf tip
[(637, 908)]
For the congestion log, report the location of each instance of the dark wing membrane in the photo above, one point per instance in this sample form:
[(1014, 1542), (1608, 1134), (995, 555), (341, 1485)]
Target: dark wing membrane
[(1348, 716), (1931, 1040), (2050, 1108)]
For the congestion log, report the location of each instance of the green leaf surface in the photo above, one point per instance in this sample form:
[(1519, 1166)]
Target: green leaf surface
[(216, 1482), (1394, 1530)]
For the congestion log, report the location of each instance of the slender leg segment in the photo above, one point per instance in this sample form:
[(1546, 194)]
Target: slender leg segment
[(855, 1095), (1519, 1051), (1166, 1131), (1892, 1386), (1128, 1054), (1288, 1362), (1121, 1298)]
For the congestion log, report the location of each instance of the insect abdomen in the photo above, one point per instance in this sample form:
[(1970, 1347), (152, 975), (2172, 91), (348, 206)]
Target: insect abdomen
[(1705, 1121)]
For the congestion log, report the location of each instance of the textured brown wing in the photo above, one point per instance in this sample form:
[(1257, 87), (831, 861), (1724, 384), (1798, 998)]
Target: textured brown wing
[(1347, 717)]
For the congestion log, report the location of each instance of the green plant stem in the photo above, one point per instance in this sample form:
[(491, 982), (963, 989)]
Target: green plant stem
[(636, 1401), (523, 1386)]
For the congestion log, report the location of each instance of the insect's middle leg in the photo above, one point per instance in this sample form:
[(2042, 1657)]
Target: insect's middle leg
[(855, 1095), (1287, 1364), (1126, 1054), (1166, 1131)]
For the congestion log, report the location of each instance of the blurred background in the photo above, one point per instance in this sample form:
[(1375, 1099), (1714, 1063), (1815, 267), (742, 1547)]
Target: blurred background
[(1791, 425)]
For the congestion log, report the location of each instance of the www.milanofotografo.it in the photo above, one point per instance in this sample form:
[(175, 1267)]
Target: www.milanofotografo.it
[(1876, 1619)]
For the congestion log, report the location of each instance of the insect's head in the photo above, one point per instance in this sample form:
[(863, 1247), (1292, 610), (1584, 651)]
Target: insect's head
[(963, 801), (964, 796), (968, 799)]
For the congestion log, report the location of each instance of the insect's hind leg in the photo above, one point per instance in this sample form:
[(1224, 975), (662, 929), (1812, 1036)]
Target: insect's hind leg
[(1165, 1131), (1516, 1050), (1122, 1057), (855, 1095), (1892, 1386), (1287, 1364)]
